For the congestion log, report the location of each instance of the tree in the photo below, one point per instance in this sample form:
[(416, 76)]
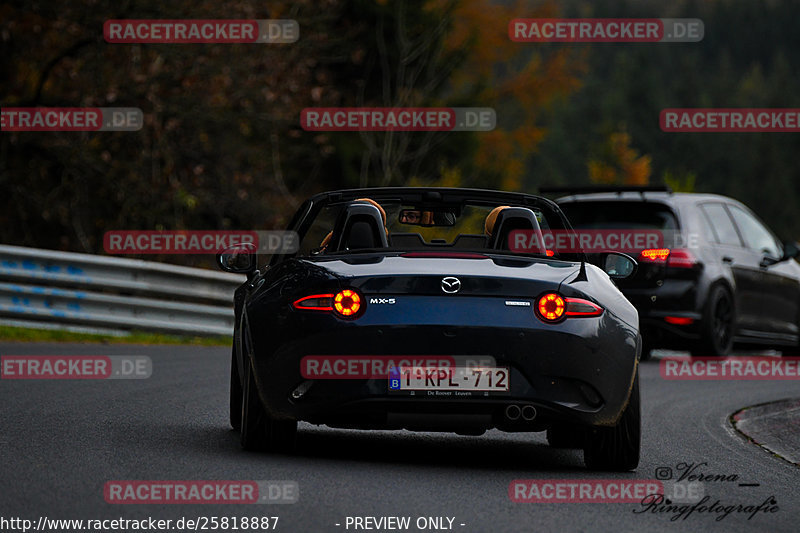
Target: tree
[(617, 162)]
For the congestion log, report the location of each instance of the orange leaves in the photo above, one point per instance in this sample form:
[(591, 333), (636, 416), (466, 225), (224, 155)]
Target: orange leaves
[(518, 80), (619, 163)]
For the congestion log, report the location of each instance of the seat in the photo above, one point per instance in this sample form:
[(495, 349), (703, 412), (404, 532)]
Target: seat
[(358, 227), (470, 242), (407, 241), (515, 218)]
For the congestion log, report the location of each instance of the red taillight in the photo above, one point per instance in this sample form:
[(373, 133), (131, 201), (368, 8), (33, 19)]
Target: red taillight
[(681, 258), (549, 253), (315, 302), (679, 320), (577, 307), (678, 257), (655, 255), (347, 302), (553, 307)]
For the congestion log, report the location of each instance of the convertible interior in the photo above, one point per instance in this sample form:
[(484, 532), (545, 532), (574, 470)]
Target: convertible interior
[(360, 225)]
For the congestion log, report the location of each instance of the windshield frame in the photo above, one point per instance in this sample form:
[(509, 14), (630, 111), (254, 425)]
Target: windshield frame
[(427, 197)]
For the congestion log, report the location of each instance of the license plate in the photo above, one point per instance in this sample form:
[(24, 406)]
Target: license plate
[(436, 378)]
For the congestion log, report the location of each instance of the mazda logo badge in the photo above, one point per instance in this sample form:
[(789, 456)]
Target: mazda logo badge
[(451, 285)]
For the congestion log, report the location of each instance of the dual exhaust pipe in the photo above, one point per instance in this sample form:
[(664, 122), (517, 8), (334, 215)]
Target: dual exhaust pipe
[(515, 412)]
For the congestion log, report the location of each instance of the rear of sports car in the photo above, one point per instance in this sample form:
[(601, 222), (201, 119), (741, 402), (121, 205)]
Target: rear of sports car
[(442, 342)]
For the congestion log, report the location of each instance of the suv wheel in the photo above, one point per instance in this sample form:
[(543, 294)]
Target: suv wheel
[(717, 326)]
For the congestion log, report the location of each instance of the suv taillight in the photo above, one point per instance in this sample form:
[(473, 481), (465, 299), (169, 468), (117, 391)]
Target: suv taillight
[(677, 257), (681, 258), (654, 255)]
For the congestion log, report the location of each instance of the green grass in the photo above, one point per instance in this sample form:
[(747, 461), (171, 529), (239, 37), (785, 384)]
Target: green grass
[(17, 334)]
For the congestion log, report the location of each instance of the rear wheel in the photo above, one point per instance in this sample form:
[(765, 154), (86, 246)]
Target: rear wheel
[(235, 395), (794, 349), (647, 351), (253, 416), (717, 326), (617, 448), (790, 351), (259, 431)]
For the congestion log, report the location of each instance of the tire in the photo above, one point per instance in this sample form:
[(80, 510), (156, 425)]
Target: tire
[(647, 352), (793, 350), (260, 432), (617, 448), (789, 351), (253, 416), (718, 325), (235, 395), (566, 436)]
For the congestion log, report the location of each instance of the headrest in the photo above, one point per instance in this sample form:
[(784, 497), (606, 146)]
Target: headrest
[(510, 219), (491, 219), (358, 226)]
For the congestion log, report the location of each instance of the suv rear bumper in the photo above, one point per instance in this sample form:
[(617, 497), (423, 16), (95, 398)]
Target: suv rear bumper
[(675, 299)]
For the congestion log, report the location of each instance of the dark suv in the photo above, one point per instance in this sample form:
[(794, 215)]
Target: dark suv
[(727, 280)]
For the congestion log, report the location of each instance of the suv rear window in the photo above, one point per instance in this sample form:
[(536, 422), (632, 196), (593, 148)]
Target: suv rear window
[(620, 215)]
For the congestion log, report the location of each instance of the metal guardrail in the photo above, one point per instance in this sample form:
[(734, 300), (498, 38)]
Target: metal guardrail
[(71, 289)]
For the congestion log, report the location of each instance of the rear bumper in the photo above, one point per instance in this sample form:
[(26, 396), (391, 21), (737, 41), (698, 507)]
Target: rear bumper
[(660, 333), (579, 371), (677, 298)]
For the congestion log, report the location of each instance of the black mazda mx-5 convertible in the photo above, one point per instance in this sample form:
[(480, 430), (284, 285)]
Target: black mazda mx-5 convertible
[(407, 308)]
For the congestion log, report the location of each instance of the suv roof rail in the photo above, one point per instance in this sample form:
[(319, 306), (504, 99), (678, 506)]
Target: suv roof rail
[(619, 189)]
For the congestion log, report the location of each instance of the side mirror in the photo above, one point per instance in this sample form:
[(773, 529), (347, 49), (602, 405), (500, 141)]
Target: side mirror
[(618, 265), (791, 249), (241, 259)]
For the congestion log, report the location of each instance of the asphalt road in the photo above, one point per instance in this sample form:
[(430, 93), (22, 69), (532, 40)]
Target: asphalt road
[(61, 441)]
